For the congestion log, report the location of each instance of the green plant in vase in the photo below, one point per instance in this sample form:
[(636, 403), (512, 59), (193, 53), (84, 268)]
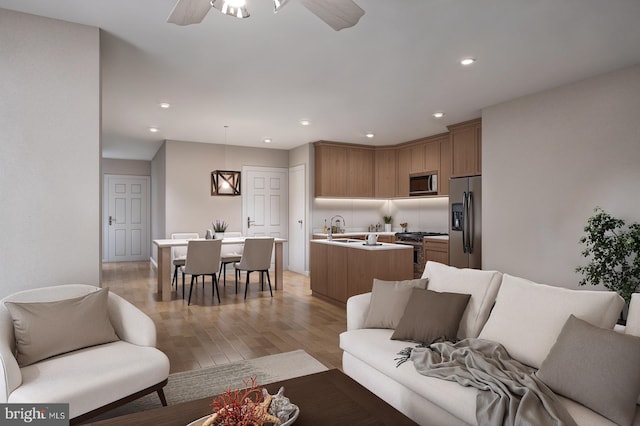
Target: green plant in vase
[(219, 228), (614, 253), (387, 223)]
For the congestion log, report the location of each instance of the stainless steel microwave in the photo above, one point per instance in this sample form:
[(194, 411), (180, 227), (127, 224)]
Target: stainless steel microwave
[(423, 184)]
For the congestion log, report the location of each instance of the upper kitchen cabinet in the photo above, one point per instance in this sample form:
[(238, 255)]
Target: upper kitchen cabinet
[(385, 173), (343, 170), (466, 148), (445, 166), (360, 181), (331, 170), (416, 157)]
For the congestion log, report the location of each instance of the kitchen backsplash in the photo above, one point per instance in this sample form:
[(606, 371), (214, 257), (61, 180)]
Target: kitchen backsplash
[(421, 214)]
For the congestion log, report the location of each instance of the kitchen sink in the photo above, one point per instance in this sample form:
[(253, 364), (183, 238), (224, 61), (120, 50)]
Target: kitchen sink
[(346, 240)]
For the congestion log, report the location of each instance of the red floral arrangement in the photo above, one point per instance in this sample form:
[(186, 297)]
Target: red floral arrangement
[(242, 407)]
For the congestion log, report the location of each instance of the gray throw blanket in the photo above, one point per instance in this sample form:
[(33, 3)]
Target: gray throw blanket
[(509, 392)]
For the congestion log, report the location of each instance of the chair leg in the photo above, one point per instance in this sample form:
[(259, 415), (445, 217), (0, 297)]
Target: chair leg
[(237, 277), (269, 281), (183, 285), (174, 280), (163, 399), (214, 281), (246, 286), (190, 289), (261, 280)]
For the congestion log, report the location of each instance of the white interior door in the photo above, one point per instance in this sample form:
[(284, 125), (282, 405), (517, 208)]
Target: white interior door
[(265, 200), (298, 221), (126, 218)]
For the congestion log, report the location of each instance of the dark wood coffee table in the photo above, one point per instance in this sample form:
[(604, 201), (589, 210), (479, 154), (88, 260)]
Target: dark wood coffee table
[(327, 398)]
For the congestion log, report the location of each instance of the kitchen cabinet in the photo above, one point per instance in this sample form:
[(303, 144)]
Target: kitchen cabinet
[(360, 180), (331, 170), (404, 169), (445, 166), (343, 170), (436, 250), (341, 270), (466, 148), (385, 173)]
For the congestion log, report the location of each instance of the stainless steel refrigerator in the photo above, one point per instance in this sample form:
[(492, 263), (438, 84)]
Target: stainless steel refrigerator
[(465, 222)]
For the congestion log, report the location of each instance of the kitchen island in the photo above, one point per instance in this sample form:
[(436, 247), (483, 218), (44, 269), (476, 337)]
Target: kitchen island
[(341, 268)]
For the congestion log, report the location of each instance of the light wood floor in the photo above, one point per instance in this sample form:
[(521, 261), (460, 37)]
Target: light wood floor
[(207, 333)]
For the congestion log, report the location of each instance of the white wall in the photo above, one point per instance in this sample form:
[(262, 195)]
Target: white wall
[(158, 198), (50, 183), (548, 160), (113, 166), (183, 199)]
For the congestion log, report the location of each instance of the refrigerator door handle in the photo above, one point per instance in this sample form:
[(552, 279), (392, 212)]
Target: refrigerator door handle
[(471, 220), (464, 222)]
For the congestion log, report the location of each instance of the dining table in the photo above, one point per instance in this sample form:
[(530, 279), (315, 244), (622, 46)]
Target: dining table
[(164, 261)]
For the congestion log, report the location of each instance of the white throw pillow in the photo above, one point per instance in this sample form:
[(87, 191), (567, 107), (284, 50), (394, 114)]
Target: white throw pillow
[(481, 285), (388, 300), (528, 317)]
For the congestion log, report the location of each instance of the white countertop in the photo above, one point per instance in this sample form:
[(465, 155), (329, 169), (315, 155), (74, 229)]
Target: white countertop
[(361, 245), (353, 234)]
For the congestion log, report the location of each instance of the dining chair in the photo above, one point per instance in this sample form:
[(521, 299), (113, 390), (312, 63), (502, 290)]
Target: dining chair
[(203, 258), (179, 254), (230, 253), (255, 257)]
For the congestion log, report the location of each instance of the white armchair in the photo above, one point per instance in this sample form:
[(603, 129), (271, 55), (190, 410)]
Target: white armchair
[(93, 379)]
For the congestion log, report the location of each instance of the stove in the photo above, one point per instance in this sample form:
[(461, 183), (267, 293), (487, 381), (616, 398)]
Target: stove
[(416, 239), (416, 236)]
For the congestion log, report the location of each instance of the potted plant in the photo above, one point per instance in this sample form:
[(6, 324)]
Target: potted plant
[(387, 223), (219, 228), (614, 252)]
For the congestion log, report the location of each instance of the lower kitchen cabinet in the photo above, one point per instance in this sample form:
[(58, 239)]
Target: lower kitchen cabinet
[(436, 250), (338, 271)]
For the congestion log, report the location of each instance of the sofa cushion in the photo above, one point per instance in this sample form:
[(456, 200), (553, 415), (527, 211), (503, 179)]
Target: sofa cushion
[(388, 301), (45, 329), (430, 316), (374, 347), (481, 285), (595, 367), (100, 375), (527, 317)]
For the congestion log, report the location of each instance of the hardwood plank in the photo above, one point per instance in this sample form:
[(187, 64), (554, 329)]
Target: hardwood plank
[(207, 333)]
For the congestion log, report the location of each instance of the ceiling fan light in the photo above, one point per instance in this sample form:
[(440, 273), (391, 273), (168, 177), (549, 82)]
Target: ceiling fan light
[(278, 4), (235, 8)]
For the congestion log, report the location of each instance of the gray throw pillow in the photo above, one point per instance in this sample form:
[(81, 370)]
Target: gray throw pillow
[(388, 300), (46, 329), (596, 367), (431, 316)]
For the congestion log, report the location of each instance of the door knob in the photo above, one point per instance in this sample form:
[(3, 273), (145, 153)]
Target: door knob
[(300, 221), (111, 220), (249, 222)]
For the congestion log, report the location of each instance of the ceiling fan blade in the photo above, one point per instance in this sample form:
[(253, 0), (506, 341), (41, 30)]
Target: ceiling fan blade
[(338, 14), (187, 12)]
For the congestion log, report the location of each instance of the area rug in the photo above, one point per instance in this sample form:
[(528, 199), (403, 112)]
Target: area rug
[(211, 381)]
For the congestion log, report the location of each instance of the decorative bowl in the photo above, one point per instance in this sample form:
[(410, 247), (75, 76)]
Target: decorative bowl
[(289, 422)]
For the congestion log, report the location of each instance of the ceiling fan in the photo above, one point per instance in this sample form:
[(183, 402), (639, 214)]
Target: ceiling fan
[(338, 14)]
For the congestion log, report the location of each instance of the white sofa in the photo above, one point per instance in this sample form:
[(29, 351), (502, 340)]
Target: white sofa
[(90, 379), (523, 316)]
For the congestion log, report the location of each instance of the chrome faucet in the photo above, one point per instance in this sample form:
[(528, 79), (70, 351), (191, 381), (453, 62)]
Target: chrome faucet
[(338, 229)]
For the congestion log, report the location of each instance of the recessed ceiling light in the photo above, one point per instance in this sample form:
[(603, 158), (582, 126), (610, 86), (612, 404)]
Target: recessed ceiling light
[(467, 61), (438, 114), (305, 122), (369, 135), (164, 105), (267, 140), (153, 129)]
